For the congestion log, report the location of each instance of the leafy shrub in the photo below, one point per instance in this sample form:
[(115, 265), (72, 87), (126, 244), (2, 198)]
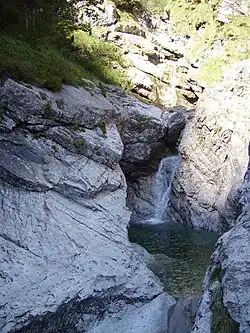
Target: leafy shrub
[(102, 126)]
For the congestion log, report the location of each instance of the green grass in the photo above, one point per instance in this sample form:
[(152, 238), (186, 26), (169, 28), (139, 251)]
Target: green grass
[(156, 6), (212, 70), (103, 58), (47, 65), (35, 64)]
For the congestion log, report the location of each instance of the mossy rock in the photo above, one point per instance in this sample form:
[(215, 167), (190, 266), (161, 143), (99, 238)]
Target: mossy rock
[(222, 322), (80, 145), (217, 274), (102, 126), (54, 83)]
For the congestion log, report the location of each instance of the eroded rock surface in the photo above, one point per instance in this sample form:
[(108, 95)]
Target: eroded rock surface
[(225, 305), (66, 262), (214, 154), (228, 8), (155, 53)]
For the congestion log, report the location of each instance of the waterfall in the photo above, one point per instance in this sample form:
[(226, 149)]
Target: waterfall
[(163, 183)]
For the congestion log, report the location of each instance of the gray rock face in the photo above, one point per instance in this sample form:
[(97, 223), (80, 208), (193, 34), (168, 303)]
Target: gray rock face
[(145, 129), (66, 262), (214, 154), (182, 315), (226, 300), (229, 8), (102, 13)]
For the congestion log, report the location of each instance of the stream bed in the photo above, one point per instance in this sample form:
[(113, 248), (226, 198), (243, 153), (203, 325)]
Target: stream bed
[(181, 254)]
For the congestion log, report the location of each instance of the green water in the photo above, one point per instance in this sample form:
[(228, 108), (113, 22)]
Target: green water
[(181, 255)]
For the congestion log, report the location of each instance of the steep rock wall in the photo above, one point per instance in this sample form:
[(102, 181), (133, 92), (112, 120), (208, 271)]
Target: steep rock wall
[(214, 154), (225, 305), (66, 262)]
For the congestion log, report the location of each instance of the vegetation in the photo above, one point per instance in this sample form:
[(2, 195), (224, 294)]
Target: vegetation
[(36, 19), (39, 44), (102, 126), (212, 70), (102, 58), (79, 144), (217, 274), (222, 322), (197, 19)]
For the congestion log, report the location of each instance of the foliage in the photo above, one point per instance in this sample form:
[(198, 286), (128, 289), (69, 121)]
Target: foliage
[(155, 5), (212, 70), (37, 45), (217, 274), (103, 58), (188, 16), (37, 64), (102, 126), (35, 19), (204, 41), (46, 65), (236, 37)]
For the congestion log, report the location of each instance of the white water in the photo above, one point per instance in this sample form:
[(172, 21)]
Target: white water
[(163, 183)]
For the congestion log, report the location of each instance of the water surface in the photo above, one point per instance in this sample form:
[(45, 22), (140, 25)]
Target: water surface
[(181, 254)]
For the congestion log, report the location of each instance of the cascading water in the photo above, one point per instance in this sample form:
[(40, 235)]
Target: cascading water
[(163, 183), (180, 254)]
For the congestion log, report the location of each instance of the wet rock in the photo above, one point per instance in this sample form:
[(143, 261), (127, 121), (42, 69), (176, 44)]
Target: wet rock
[(182, 315)]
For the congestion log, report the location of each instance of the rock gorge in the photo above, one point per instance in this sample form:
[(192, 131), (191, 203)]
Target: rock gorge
[(78, 166)]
